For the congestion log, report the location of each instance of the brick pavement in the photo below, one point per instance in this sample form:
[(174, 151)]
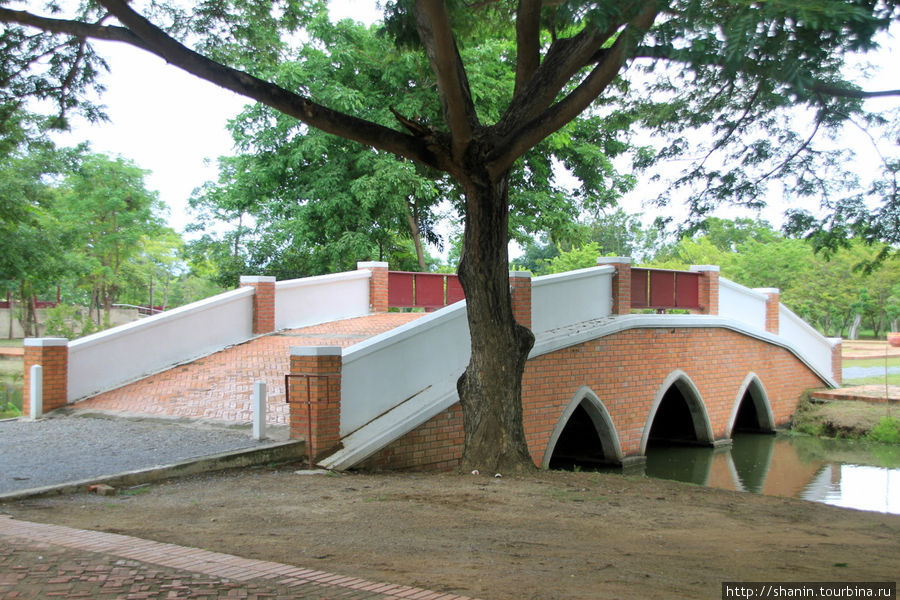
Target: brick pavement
[(219, 387), (39, 561)]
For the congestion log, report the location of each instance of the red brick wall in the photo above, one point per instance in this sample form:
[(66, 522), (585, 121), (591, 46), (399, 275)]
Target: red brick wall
[(436, 445), (378, 285), (837, 363), (708, 290), (773, 311), (625, 370), (315, 392), (520, 287), (621, 284), (263, 302), (54, 361)]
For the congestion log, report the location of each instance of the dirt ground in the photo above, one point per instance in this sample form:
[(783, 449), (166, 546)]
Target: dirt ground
[(543, 536)]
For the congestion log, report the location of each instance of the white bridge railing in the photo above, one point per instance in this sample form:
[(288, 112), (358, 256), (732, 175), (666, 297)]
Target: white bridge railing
[(111, 358)]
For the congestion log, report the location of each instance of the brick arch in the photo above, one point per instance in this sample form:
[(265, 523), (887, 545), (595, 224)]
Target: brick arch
[(600, 417), (753, 385), (699, 415)]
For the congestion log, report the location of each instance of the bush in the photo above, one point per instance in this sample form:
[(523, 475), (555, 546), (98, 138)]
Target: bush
[(69, 322), (887, 431)]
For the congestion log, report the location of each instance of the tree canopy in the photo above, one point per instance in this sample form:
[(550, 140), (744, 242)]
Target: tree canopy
[(729, 73)]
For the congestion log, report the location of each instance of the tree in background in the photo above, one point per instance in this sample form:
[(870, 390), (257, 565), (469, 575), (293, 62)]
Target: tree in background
[(739, 71), (105, 212), (31, 244)]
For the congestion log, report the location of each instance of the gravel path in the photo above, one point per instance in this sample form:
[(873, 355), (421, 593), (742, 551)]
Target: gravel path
[(64, 449)]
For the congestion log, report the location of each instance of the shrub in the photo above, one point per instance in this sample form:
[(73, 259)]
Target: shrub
[(887, 431)]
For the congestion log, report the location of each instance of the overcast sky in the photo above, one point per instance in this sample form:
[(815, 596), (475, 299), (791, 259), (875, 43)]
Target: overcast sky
[(172, 123)]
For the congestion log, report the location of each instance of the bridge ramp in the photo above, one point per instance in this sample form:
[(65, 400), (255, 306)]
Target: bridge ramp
[(219, 387)]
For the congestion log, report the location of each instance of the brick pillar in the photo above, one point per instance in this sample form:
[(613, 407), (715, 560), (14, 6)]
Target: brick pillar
[(520, 288), (837, 370), (378, 284), (263, 302), (315, 398), (621, 284), (53, 356), (773, 304), (708, 288)]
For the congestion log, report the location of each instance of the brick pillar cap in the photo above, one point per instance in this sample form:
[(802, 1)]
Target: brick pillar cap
[(835, 341), (371, 264), (316, 350), (45, 342), (613, 260), (705, 268), (522, 274), (767, 290), (257, 279)]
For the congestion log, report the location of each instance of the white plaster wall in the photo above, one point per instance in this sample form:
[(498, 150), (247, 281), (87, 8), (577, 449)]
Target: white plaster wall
[(116, 356), (311, 300), (562, 299), (384, 371), (742, 304), (811, 344)]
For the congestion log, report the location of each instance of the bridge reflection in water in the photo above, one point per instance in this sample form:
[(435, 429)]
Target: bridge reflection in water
[(829, 471)]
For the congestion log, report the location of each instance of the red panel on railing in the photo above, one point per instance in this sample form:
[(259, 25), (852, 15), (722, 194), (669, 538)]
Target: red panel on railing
[(400, 289), (639, 288), (662, 289), (423, 290), (687, 289), (665, 289), (429, 290), (455, 291)]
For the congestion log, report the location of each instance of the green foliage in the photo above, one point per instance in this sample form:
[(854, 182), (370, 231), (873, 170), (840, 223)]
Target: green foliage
[(887, 431), (577, 258), (68, 321)]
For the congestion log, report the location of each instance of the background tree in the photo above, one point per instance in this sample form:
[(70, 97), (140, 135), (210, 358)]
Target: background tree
[(739, 67), (106, 212)]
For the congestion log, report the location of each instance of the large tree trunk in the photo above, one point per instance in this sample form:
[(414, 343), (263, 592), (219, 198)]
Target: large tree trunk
[(490, 390)]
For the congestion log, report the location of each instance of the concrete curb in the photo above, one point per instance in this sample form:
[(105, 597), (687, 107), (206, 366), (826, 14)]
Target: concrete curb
[(278, 452)]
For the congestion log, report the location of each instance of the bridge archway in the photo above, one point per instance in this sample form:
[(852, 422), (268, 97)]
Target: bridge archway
[(677, 414), (752, 410), (584, 430)]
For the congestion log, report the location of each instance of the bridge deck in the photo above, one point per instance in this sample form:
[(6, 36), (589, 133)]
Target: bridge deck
[(219, 387)]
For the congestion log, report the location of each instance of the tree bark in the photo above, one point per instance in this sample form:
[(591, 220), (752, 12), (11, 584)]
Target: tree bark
[(854, 327), (412, 219), (490, 390)]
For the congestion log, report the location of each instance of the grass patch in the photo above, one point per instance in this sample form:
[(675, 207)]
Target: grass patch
[(873, 363), (17, 343), (892, 379), (893, 361), (887, 431)]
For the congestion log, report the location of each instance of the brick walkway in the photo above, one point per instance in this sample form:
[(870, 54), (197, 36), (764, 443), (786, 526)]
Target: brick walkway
[(219, 387), (43, 562)]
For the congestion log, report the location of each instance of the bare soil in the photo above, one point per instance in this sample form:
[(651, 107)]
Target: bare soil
[(543, 536)]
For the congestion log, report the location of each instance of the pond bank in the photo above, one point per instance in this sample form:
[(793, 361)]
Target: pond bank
[(843, 414)]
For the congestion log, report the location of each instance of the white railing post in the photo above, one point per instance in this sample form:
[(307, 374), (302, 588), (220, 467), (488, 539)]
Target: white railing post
[(259, 410), (36, 399)]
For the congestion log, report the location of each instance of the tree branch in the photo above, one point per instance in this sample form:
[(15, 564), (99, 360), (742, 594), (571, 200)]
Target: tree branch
[(528, 134), (528, 42), (825, 89), (74, 28), (436, 34)]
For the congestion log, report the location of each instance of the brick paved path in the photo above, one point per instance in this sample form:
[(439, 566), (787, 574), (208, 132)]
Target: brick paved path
[(49, 561), (220, 386)]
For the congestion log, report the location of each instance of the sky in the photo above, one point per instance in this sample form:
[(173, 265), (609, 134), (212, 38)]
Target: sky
[(173, 124)]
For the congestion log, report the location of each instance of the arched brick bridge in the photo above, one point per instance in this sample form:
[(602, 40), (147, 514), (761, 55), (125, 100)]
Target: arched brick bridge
[(623, 358)]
